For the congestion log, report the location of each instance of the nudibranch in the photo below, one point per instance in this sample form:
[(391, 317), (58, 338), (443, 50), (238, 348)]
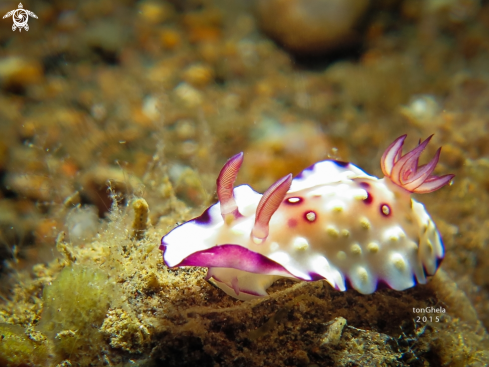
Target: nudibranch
[(333, 221)]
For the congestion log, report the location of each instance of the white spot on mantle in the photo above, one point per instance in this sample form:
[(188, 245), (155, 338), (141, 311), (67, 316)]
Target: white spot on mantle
[(300, 244)]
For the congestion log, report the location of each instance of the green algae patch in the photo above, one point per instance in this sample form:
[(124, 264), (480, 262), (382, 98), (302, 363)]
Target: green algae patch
[(75, 305), (17, 349)]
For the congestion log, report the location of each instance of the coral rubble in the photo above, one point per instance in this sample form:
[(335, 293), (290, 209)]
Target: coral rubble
[(115, 118)]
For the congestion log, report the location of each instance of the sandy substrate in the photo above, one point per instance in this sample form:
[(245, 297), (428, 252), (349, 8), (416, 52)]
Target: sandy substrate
[(115, 119)]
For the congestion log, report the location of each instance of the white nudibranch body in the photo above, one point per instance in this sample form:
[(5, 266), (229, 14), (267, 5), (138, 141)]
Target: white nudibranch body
[(333, 222)]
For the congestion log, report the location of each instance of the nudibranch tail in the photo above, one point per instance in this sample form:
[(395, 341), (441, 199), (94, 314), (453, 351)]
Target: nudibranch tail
[(411, 181), (225, 186), (269, 203), (391, 155), (403, 170), (407, 164), (434, 183)]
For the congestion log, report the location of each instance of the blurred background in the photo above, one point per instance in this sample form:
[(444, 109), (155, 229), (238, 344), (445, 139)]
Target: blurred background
[(97, 93)]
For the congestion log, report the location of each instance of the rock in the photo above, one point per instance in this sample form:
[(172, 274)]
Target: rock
[(423, 111), (107, 36), (279, 148), (170, 38), (188, 95), (333, 336), (102, 181), (154, 12), (17, 71), (198, 75), (311, 26)]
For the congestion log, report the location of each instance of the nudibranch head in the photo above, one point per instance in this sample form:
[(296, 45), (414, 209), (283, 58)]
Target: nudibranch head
[(332, 221)]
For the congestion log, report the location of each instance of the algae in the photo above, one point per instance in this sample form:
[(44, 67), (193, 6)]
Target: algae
[(18, 349), (74, 308), (157, 123)]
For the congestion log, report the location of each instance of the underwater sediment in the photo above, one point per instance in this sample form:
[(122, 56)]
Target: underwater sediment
[(115, 120)]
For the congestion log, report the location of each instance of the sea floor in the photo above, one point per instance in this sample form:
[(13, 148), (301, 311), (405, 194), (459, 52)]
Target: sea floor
[(115, 119)]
